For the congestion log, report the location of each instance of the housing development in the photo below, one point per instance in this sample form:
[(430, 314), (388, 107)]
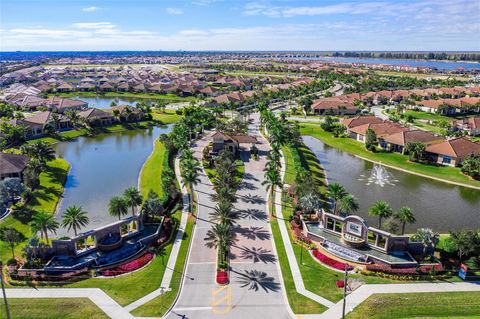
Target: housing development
[(227, 183)]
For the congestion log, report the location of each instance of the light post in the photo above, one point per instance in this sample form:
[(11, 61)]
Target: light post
[(3, 291), (345, 291)]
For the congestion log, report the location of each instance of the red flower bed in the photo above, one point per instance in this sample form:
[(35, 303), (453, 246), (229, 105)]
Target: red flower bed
[(222, 277), (410, 271), (128, 267), (329, 261)]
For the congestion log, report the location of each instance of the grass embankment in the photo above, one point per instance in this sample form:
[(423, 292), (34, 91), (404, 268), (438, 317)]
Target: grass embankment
[(158, 119), (45, 198), (158, 306), (150, 176), (169, 98), (419, 305), (397, 160), (46, 308), (422, 75)]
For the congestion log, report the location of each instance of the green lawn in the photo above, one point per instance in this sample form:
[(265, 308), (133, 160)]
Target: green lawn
[(158, 306), (419, 305), (150, 177), (299, 303), (47, 308), (351, 146), (44, 198)]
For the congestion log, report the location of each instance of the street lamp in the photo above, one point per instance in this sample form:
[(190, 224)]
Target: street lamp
[(3, 291), (345, 290)]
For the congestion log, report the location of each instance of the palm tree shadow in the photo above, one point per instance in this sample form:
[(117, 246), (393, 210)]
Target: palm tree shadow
[(253, 214), (257, 254), (256, 280), (253, 199), (253, 232)]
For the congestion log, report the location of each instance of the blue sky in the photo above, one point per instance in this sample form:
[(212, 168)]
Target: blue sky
[(239, 25)]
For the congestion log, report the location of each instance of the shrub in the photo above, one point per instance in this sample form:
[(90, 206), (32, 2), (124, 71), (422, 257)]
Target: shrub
[(128, 267), (222, 277), (330, 262), (12, 262)]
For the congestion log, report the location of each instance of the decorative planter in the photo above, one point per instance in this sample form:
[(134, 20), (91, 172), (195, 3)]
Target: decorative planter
[(222, 277)]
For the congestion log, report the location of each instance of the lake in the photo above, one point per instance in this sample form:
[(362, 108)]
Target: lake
[(102, 167), (438, 205), (440, 65), (101, 102)]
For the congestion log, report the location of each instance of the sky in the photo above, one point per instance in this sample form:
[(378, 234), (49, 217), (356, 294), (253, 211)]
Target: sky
[(71, 25)]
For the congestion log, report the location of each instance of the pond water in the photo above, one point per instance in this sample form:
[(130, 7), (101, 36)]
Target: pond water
[(438, 205), (440, 65), (102, 102), (102, 167)]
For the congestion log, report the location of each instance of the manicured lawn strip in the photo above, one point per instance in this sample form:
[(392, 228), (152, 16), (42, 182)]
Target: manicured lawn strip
[(47, 308), (44, 198), (299, 303), (167, 97), (158, 306), (389, 158), (419, 305), (150, 176)]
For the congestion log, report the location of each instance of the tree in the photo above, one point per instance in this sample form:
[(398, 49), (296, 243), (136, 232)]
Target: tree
[(44, 222), (133, 198), (415, 150), (310, 202), (220, 237), (74, 217), (223, 213), (335, 192), (306, 103), (118, 207), (370, 139), (40, 150), (12, 237), (10, 188), (348, 204), (471, 166), (380, 209), (152, 205), (427, 237), (328, 124), (465, 242), (11, 134), (272, 179), (73, 117), (190, 176), (405, 215)]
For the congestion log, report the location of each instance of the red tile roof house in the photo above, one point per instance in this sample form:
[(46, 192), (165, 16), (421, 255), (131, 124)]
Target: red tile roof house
[(103, 118), (334, 106), (469, 125), (230, 142), (359, 120), (37, 123), (381, 130), (12, 165), (452, 152), (396, 142)]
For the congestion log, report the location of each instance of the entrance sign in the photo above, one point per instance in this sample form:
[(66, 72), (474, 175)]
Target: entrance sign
[(354, 228)]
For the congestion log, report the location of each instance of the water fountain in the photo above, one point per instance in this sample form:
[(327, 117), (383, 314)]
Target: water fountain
[(379, 176)]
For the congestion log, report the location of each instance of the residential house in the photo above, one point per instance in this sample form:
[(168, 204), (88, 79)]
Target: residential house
[(359, 120), (128, 112), (97, 117), (12, 165), (42, 123), (452, 152), (469, 125), (396, 142), (381, 130), (63, 104), (232, 143)]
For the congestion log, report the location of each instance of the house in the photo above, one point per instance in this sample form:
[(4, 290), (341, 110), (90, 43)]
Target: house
[(381, 130), (359, 120), (232, 143), (62, 104), (106, 87), (42, 123), (334, 106), (396, 142), (93, 115), (469, 125), (452, 152), (12, 165), (209, 91), (130, 113), (65, 87)]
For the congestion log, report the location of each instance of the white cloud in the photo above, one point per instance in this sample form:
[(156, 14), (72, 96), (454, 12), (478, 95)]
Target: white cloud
[(193, 32), (174, 11), (90, 9), (203, 2), (94, 25)]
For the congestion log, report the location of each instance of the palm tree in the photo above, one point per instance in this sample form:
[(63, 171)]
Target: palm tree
[(272, 179), (348, 204), (223, 213), (221, 237), (44, 222), (427, 237), (73, 117), (40, 150), (190, 176), (381, 209), (133, 198), (74, 217), (310, 202), (405, 215), (12, 237), (152, 205), (336, 191), (118, 206)]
